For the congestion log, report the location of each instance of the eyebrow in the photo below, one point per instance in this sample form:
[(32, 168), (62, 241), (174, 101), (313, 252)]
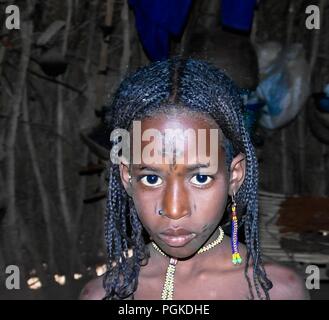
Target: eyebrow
[(149, 168), (189, 168), (198, 166)]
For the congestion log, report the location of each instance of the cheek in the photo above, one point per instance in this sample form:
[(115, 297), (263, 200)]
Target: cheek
[(143, 202), (211, 211), (210, 203), (146, 206)]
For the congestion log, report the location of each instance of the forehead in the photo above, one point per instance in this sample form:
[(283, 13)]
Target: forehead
[(179, 129), (182, 120), (178, 139)]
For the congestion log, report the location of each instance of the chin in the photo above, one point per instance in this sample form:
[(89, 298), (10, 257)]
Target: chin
[(180, 252)]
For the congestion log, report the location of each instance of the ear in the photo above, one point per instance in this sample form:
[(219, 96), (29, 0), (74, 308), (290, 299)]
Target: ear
[(237, 173), (125, 177)]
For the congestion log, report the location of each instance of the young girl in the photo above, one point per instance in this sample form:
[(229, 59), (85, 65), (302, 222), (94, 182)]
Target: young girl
[(165, 220)]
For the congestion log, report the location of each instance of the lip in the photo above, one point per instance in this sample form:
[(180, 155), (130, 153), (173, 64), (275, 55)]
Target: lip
[(177, 238), (176, 232)]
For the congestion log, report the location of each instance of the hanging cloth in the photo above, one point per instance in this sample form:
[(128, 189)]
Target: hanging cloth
[(157, 21), (238, 14)]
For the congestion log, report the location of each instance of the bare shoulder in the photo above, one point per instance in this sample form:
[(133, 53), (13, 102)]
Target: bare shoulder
[(93, 290), (287, 283)]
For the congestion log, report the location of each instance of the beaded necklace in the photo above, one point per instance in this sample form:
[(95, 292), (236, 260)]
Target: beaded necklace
[(168, 287)]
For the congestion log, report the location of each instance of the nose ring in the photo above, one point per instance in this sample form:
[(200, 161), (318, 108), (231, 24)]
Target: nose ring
[(161, 212)]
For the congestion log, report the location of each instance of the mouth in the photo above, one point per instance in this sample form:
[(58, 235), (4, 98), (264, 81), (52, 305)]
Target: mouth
[(177, 241)]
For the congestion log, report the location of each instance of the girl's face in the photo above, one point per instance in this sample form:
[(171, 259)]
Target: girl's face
[(188, 182)]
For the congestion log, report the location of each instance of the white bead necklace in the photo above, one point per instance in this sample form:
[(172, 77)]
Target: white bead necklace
[(168, 287)]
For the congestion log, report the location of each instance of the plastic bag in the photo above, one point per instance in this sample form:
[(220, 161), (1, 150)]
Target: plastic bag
[(284, 85)]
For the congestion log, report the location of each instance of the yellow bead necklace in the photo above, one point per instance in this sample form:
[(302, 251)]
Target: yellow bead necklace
[(168, 287)]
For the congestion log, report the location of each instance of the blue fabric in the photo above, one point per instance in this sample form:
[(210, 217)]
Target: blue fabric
[(324, 104), (237, 14), (157, 21)]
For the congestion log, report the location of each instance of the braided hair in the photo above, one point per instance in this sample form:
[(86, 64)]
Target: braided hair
[(197, 86)]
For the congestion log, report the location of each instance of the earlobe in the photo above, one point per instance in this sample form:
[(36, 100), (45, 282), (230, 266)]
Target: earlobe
[(237, 173)]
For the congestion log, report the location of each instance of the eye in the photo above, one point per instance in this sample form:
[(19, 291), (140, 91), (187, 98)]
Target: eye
[(201, 179), (151, 180)]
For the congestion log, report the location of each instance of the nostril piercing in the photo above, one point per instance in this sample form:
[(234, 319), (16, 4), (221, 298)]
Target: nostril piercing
[(161, 212)]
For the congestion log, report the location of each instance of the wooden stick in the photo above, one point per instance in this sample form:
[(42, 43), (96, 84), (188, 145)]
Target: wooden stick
[(283, 138), (316, 39), (125, 58), (60, 131), (313, 59), (10, 140), (103, 59), (46, 212)]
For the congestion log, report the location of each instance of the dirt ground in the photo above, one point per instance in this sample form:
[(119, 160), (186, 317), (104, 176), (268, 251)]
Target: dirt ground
[(51, 292)]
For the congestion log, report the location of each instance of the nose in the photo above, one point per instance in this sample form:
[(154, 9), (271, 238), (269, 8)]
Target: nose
[(175, 200)]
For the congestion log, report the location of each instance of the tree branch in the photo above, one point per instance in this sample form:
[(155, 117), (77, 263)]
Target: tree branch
[(40, 183), (26, 37)]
